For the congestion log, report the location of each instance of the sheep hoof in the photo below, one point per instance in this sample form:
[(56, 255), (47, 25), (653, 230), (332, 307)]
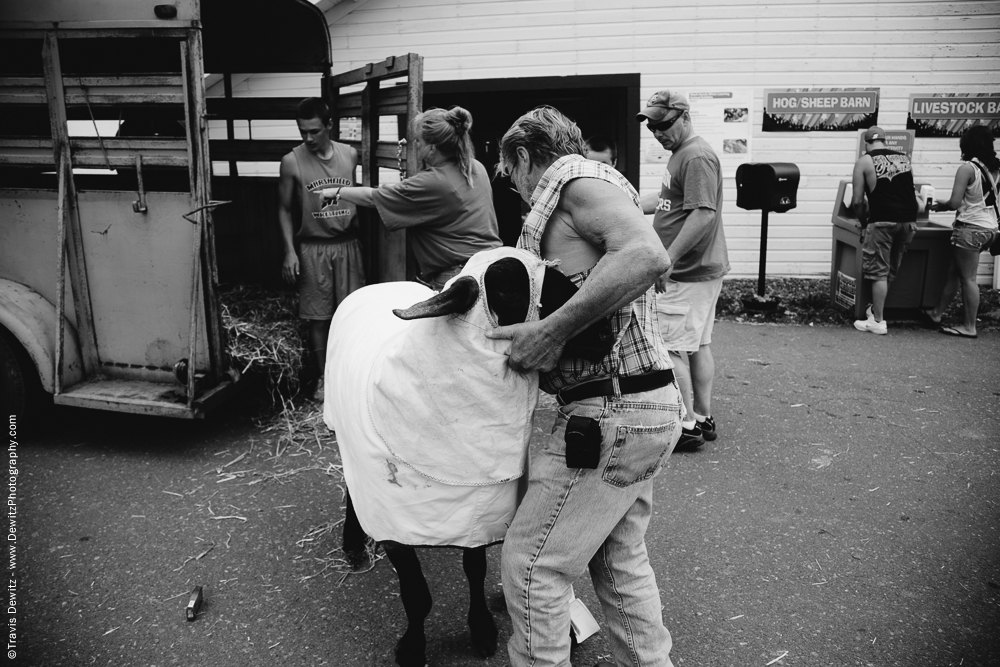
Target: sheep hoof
[(356, 559), (411, 649), (484, 633)]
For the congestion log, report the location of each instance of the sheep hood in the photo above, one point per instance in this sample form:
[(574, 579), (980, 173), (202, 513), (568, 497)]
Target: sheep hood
[(443, 399)]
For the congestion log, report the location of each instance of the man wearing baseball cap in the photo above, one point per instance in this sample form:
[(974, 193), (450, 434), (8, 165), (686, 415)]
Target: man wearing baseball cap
[(687, 216), (888, 223)]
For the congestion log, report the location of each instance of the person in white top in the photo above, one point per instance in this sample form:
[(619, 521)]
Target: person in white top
[(974, 196)]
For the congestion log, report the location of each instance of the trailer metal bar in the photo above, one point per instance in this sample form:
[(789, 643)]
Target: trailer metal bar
[(69, 219)]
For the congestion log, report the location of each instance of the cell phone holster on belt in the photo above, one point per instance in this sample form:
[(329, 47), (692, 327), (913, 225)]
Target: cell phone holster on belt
[(583, 442)]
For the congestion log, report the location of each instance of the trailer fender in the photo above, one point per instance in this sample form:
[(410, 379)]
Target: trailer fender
[(31, 318)]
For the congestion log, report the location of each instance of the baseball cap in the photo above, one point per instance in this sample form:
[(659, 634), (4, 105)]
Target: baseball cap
[(875, 133), (660, 103)]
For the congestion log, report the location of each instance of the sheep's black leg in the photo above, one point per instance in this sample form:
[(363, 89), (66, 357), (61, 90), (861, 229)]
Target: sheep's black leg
[(416, 597), (354, 536), (481, 625)]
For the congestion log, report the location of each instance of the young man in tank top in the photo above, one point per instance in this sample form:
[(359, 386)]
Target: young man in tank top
[(888, 225), (322, 252)]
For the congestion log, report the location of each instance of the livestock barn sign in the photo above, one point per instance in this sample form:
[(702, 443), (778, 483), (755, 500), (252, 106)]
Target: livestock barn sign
[(951, 114), (815, 109)]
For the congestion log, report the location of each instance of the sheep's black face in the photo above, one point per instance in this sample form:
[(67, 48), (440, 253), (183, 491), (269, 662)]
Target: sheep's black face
[(508, 291), (508, 296)]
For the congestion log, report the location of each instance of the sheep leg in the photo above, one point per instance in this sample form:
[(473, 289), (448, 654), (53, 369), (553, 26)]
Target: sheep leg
[(416, 598), (353, 539), (481, 625)]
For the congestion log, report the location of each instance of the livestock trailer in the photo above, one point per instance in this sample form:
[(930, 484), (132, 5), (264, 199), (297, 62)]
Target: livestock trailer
[(109, 288)]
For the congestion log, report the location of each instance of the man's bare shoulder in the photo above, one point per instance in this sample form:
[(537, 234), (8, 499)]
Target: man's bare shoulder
[(288, 165), (585, 192)]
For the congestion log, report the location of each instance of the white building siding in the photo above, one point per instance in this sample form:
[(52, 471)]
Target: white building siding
[(902, 47)]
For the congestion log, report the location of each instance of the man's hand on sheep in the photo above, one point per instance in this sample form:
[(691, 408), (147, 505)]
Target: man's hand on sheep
[(533, 347)]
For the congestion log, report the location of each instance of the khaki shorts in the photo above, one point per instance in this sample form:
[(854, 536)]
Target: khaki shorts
[(883, 249), (328, 273), (686, 314)]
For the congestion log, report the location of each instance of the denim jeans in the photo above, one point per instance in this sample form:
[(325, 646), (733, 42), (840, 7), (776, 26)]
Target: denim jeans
[(572, 519)]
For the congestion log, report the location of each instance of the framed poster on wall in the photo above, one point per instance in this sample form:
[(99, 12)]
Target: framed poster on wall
[(820, 109), (951, 114)]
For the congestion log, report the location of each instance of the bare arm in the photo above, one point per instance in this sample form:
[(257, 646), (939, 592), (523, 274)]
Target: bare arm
[(862, 169), (353, 194), (633, 258), (963, 179), (649, 202), (359, 195), (286, 192)]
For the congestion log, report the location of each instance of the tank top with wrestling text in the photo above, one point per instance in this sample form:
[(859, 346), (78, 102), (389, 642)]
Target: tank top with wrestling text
[(334, 223)]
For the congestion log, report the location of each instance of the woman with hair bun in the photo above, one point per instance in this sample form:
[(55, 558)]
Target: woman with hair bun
[(446, 208), (974, 196)]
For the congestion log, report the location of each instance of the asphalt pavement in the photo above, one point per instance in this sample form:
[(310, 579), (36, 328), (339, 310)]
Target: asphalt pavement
[(847, 515)]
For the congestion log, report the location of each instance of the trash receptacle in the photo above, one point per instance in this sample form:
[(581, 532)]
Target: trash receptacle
[(921, 275)]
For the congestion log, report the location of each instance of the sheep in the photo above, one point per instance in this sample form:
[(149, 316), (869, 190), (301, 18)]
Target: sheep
[(433, 426)]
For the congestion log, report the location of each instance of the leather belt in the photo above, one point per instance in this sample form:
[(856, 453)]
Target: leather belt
[(632, 384)]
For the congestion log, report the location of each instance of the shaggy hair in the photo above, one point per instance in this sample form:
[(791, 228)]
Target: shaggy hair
[(545, 133)]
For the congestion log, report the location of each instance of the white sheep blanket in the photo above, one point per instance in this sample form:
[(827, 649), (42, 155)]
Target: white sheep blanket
[(432, 424)]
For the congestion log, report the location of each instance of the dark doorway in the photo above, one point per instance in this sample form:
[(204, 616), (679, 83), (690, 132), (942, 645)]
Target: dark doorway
[(603, 104)]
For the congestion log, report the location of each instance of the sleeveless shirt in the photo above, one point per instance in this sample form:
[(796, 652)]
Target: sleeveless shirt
[(974, 210), (893, 199), (638, 347), (318, 224)]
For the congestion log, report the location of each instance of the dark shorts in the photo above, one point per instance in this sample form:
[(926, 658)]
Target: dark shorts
[(884, 247), (972, 237), (329, 272)]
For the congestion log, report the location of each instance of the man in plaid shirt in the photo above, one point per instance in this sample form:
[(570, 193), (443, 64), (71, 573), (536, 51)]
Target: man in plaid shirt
[(589, 496)]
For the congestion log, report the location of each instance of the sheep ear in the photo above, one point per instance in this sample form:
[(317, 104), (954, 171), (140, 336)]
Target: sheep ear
[(458, 298)]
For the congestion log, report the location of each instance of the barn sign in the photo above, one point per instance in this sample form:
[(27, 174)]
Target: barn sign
[(950, 114), (813, 109)]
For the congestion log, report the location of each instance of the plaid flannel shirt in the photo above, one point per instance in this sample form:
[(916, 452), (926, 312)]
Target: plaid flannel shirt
[(638, 346)]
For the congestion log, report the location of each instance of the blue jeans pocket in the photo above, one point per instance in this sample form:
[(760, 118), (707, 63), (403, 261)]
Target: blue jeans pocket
[(638, 450)]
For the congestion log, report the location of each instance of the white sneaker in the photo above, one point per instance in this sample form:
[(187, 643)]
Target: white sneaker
[(869, 315), (871, 326)]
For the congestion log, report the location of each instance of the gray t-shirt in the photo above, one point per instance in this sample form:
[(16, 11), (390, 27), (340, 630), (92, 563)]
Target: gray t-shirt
[(448, 221), (693, 180)]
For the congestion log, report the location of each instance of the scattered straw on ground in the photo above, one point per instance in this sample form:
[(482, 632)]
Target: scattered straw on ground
[(264, 336)]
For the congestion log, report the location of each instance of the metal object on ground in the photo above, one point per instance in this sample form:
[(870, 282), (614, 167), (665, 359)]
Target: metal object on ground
[(194, 603)]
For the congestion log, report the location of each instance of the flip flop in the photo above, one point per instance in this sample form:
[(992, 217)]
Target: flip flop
[(952, 331), (926, 321)]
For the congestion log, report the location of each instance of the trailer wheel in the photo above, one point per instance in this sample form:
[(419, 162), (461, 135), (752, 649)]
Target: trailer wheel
[(21, 391)]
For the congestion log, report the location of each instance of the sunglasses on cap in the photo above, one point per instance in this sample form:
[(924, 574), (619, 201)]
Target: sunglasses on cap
[(664, 125)]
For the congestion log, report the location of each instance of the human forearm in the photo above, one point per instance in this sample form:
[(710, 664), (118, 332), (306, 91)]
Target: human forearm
[(861, 212), (287, 231), (359, 195), (616, 280), (698, 223), (649, 201)]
